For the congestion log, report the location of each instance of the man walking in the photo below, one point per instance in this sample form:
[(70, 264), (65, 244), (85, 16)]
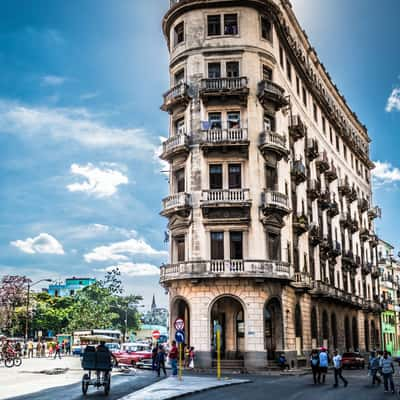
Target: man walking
[(314, 361), (30, 349), (387, 367), (161, 360), (58, 351), (374, 368), (337, 365), (173, 357), (323, 365)]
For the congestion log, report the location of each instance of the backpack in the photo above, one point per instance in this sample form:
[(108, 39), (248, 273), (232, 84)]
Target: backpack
[(314, 361)]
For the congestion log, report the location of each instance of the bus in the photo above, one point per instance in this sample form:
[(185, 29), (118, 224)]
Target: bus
[(93, 337)]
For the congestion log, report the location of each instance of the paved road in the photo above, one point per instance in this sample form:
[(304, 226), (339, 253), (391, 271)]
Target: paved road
[(297, 388), (120, 386)]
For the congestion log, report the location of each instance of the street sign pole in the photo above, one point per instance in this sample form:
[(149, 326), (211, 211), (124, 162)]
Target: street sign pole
[(218, 354), (180, 361)]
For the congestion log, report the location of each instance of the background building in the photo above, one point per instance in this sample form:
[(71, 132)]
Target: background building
[(156, 315), (270, 208), (69, 287)]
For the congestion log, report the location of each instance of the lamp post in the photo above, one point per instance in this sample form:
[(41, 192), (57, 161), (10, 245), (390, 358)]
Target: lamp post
[(27, 304)]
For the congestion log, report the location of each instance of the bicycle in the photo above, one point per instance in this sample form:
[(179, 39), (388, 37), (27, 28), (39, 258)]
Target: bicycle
[(8, 361)]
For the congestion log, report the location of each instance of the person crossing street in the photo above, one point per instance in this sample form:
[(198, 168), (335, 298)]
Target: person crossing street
[(337, 365), (387, 368)]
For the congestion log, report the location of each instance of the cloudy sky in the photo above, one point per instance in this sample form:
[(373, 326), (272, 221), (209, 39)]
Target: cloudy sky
[(80, 126)]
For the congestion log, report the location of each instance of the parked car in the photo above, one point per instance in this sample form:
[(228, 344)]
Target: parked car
[(132, 353), (353, 360)]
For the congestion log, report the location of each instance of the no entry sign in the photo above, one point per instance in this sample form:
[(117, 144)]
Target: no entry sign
[(179, 324), (156, 335)]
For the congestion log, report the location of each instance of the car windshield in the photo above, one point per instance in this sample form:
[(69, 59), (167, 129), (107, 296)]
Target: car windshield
[(349, 355)]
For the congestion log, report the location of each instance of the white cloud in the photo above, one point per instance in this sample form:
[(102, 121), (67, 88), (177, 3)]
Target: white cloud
[(393, 103), (133, 269), (89, 95), (385, 172), (53, 80), (119, 251), (43, 244), (100, 182), (72, 124), (164, 165)]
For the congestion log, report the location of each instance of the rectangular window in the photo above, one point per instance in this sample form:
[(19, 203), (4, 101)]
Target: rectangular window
[(216, 176), (304, 97), (298, 86), (323, 124), (337, 143), (214, 25), (180, 248), (180, 180), (231, 24), (217, 245), (236, 245), (330, 135), (214, 70), (179, 76), (271, 178), (315, 113), (274, 246), (352, 161), (235, 176), (232, 69), (345, 152), (233, 120), (180, 126), (266, 29), (179, 33), (215, 121), (269, 123), (267, 73), (289, 70), (281, 57)]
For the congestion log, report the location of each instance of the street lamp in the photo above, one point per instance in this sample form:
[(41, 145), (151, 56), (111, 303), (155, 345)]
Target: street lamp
[(27, 303)]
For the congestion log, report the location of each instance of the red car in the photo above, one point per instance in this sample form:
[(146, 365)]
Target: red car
[(131, 353), (353, 360)]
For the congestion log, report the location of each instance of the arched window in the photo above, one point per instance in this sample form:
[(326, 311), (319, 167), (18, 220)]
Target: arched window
[(325, 325), (314, 324), (334, 330), (298, 321), (347, 334), (355, 334), (366, 334)]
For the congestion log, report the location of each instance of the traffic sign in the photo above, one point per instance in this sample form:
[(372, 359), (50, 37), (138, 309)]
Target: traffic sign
[(180, 336), (179, 324), (156, 335)]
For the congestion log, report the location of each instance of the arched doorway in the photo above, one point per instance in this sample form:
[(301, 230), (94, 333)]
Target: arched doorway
[(314, 328), (298, 322), (355, 334), (227, 314), (325, 329), (334, 330), (273, 328), (347, 334), (366, 333), (180, 309)]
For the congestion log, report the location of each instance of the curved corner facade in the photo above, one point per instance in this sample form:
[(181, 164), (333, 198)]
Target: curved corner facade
[(270, 207)]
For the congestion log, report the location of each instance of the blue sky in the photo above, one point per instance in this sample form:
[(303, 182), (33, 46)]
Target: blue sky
[(80, 90)]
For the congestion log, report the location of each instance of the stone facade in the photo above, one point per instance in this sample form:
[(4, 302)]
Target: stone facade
[(270, 216)]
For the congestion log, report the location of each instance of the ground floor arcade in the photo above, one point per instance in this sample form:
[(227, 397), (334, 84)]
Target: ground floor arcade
[(259, 320)]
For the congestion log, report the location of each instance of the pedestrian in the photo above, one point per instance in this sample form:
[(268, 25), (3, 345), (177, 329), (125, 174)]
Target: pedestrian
[(58, 351), (187, 355), (38, 349), (314, 361), (374, 368), (387, 367), (283, 364), (43, 350), (191, 357), (161, 360), (154, 352), (337, 365), (68, 348), (173, 357), (30, 349), (18, 349), (50, 348), (323, 365), (25, 349)]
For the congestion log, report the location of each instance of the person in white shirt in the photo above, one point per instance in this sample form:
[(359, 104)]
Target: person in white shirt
[(337, 364)]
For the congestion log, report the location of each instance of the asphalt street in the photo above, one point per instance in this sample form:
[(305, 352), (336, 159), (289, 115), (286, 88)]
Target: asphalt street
[(298, 388)]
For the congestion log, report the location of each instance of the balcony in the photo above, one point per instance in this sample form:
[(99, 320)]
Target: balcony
[(300, 224), (298, 172), (179, 203), (314, 189), (175, 146), (366, 268), (222, 140), (312, 149), (271, 93), (333, 209), (374, 241), (224, 88), (352, 196), (315, 235), (275, 202), (212, 269), (335, 249), (323, 162), (374, 212), (375, 272), (272, 142), (344, 187), (325, 290), (297, 129), (324, 200), (177, 96), (364, 234), (331, 174), (354, 227), (348, 261), (301, 281), (345, 220)]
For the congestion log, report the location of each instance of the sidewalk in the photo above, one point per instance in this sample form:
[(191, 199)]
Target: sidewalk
[(172, 388)]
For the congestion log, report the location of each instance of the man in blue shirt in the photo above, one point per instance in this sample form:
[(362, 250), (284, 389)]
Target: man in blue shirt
[(323, 364)]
